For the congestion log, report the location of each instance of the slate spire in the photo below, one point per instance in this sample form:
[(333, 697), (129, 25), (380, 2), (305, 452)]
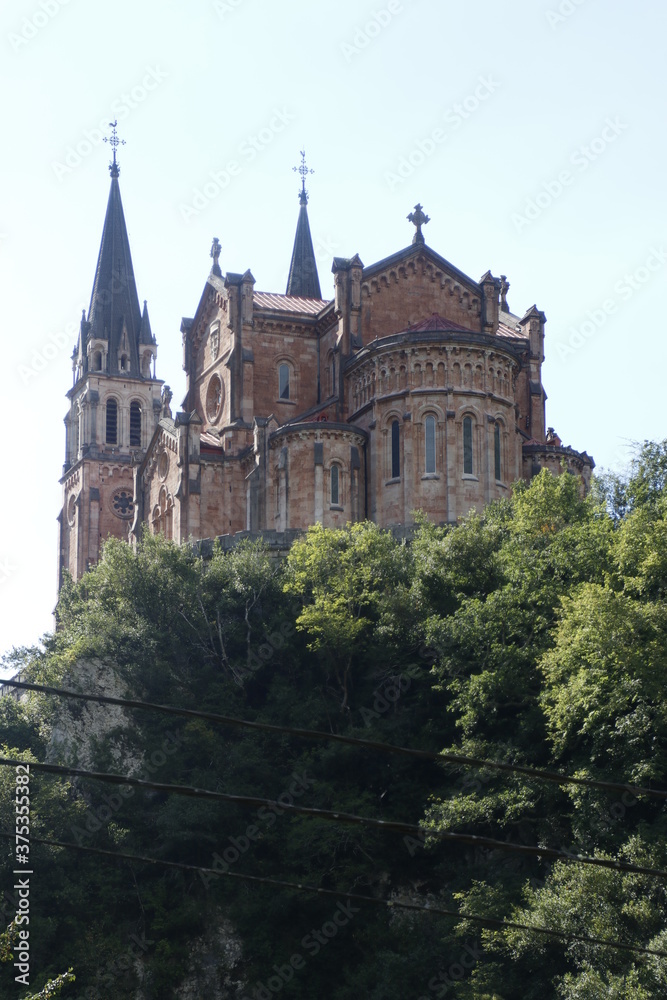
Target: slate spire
[(303, 278), (145, 332), (114, 314)]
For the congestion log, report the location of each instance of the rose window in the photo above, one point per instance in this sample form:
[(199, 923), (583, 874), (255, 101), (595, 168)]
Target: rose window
[(123, 504), (214, 398)]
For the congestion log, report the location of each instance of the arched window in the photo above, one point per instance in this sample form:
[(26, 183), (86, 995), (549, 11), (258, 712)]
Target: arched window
[(135, 425), (335, 485), (112, 422), (97, 361), (429, 444), (467, 446), (283, 381), (496, 451), (395, 450)]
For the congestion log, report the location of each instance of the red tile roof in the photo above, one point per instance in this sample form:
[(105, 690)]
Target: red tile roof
[(210, 442), (437, 324), (507, 331), (288, 303)]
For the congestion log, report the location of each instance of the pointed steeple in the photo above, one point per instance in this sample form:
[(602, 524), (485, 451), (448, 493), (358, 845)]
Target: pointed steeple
[(114, 305), (303, 278), (145, 333)]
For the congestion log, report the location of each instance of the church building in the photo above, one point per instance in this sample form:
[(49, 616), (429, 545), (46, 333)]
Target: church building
[(415, 388)]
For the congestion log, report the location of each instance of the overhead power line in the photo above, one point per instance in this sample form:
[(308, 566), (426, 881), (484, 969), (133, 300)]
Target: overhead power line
[(393, 826), (490, 922), (535, 774)]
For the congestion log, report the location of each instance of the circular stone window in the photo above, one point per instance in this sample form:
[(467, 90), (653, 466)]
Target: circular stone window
[(122, 504), (215, 395), (163, 465), (71, 510)]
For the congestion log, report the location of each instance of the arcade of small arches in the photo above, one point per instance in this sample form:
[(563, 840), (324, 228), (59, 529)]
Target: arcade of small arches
[(98, 360), (396, 375)]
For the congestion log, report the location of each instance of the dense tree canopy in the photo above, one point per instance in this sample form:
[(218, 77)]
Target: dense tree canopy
[(535, 634)]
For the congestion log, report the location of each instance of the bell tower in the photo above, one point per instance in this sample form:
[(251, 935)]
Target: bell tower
[(114, 402)]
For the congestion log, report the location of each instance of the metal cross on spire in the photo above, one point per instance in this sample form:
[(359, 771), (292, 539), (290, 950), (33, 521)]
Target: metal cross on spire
[(114, 142), (304, 171)]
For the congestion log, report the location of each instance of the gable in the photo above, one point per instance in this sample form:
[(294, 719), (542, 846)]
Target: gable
[(403, 290)]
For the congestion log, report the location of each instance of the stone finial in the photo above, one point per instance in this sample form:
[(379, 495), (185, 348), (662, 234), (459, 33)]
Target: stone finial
[(216, 249), (167, 396), (418, 218), (504, 289)]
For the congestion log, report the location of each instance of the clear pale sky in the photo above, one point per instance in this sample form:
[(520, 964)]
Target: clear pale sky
[(532, 132)]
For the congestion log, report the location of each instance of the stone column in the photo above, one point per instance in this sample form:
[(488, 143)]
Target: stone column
[(318, 512)]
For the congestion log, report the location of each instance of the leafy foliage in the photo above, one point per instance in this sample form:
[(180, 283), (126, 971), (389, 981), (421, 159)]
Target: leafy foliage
[(51, 989), (534, 633)]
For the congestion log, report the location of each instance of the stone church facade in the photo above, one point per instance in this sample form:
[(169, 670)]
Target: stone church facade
[(415, 388)]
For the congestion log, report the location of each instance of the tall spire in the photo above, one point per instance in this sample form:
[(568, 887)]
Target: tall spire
[(114, 314), (303, 278)]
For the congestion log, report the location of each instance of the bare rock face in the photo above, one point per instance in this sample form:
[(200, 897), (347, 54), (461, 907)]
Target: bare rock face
[(81, 726), (213, 958), (77, 731)]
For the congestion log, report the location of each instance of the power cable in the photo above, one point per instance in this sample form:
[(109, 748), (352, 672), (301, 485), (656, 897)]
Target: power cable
[(536, 774), (491, 922), (393, 826)]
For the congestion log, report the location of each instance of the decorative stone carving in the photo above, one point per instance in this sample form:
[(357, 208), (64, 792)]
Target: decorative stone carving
[(214, 340), (215, 396)]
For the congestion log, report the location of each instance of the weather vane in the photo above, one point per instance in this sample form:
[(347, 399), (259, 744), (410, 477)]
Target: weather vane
[(304, 171), (114, 142)]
